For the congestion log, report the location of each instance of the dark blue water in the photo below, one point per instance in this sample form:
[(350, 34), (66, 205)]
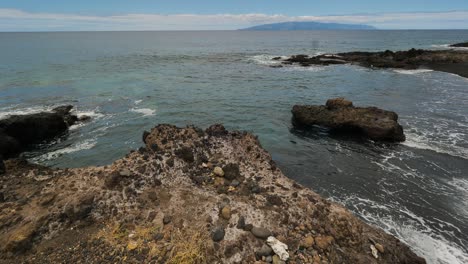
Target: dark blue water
[(130, 81)]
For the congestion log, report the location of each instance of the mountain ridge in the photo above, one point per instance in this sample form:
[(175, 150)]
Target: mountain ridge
[(290, 26)]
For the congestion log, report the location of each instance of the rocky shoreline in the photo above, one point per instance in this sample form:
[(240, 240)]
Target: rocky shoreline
[(188, 196), (452, 61)]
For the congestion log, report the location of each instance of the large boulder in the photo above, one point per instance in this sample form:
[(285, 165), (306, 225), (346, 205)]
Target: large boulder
[(18, 132), (339, 115)]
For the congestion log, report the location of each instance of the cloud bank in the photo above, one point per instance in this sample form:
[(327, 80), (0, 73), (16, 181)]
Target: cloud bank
[(17, 20)]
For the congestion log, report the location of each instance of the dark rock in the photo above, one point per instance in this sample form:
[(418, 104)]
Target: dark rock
[(235, 183), (145, 135), (241, 222), (80, 209), (231, 171), (216, 130), (167, 219), (340, 116), (453, 61), (217, 234), (2, 166), (460, 45), (18, 132), (112, 180), (186, 154), (264, 251), (248, 227), (260, 232), (84, 118), (274, 200)]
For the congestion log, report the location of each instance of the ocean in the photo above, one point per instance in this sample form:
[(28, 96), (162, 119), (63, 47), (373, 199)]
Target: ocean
[(130, 81)]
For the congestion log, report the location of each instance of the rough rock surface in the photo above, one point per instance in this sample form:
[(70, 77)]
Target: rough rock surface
[(453, 61), (18, 132), (75, 215), (339, 115)]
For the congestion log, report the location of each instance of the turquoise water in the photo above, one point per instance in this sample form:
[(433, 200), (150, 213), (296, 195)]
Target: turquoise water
[(131, 81)]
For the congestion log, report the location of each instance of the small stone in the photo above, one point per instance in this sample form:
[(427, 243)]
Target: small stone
[(235, 183), (217, 234), (264, 251), (125, 173), (277, 260), (218, 172), (132, 245), (374, 252), (260, 232), (226, 212), (218, 181), (269, 259), (380, 248), (231, 171), (241, 223), (307, 242), (248, 227), (167, 219)]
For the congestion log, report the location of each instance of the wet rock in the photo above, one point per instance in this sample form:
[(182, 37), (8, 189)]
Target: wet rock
[(145, 135), (226, 212), (341, 117), (260, 232), (460, 45), (19, 132), (218, 172), (84, 118), (186, 154), (217, 234), (264, 251), (231, 171)]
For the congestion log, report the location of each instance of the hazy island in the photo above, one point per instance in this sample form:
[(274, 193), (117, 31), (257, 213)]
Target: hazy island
[(308, 26)]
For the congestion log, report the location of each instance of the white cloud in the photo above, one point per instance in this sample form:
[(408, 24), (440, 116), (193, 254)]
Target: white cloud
[(17, 20)]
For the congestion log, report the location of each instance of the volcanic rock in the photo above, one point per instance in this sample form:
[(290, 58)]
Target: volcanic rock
[(339, 115)]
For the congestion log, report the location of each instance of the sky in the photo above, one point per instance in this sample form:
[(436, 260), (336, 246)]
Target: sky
[(84, 15)]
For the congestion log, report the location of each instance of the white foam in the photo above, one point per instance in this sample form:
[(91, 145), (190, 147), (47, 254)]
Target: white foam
[(413, 72), (137, 102), (25, 111), (92, 114), (144, 111), (447, 46), (83, 145), (422, 141), (266, 59)]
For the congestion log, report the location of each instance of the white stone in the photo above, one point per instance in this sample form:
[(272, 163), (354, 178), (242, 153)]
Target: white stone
[(279, 248)]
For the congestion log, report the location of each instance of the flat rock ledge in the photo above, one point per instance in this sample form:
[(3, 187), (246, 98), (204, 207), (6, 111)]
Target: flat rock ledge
[(339, 115), (452, 61), (188, 196)]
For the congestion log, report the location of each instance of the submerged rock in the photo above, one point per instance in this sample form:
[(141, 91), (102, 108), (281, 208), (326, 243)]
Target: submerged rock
[(339, 115)]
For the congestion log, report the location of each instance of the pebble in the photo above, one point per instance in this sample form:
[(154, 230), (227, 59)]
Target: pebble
[(217, 234), (226, 212), (264, 251), (277, 260), (125, 173), (380, 248), (218, 172), (374, 251), (241, 222), (307, 242), (261, 232)]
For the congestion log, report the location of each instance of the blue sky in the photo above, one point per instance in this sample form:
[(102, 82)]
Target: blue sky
[(43, 15)]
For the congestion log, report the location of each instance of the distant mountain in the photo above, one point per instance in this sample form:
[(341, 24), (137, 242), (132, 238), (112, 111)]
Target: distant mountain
[(309, 26)]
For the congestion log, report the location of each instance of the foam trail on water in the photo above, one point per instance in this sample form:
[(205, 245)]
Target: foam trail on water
[(413, 72), (144, 111)]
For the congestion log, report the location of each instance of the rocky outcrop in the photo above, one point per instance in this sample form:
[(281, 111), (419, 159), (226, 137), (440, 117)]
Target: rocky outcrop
[(156, 205), (339, 115), (460, 45), (18, 132), (453, 61)]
